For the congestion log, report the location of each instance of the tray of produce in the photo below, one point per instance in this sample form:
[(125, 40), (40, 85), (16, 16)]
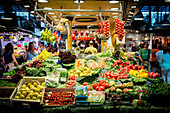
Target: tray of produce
[(29, 92), (58, 97)]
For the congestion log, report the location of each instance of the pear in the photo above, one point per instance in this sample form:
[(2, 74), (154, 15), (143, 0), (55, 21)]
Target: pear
[(24, 93), (18, 93), (16, 97), (34, 98), (28, 98), (23, 86), (35, 84), (22, 96)]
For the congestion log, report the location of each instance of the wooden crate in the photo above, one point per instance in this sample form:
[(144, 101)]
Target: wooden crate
[(23, 103), (58, 90), (5, 95)]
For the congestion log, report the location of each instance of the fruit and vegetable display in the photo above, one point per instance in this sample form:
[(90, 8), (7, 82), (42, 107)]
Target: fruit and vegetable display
[(97, 80), (30, 91), (58, 98), (80, 72), (67, 57), (119, 29)]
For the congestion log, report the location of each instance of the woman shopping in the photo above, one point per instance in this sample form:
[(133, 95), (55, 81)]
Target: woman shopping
[(31, 53), (9, 58), (165, 66)]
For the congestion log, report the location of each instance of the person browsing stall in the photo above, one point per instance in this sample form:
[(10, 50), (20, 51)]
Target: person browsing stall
[(91, 49), (145, 54), (31, 53), (8, 57)]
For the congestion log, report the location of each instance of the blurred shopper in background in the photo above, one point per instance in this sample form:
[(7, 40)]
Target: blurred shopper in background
[(8, 57), (154, 63), (31, 53), (165, 66), (134, 47), (41, 47)]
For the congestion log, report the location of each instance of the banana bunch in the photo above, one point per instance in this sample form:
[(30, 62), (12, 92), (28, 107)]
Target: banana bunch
[(123, 55), (47, 36)]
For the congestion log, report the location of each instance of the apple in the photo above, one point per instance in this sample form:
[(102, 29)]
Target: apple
[(16, 97), (112, 89), (24, 93)]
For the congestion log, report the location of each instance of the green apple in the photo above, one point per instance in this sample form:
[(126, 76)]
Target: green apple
[(16, 97), (22, 96)]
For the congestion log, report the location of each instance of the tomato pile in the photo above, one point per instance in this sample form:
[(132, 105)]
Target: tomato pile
[(58, 98), (100, 86)]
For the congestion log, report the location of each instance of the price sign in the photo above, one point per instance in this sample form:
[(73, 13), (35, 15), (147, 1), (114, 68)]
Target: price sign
[(104, 71), (148, 83), (118, 83)]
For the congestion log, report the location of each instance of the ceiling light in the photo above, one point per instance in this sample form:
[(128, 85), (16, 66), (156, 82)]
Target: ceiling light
[(54, 16), (32, 11), (114, 8), (26, 6), (167, 0), (115, 13), (127, 21), (138, 18), (130, 16), (73, 26), (115, 16), (7, 18), (47, 8), (76, 24), (113, 2), (51, 13), (136, 0), (43, 1), (77, 1), (133, 6), (56, 20)]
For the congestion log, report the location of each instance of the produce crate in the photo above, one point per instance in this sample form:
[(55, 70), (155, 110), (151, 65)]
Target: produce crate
[(58, 90), (23, 103), (5, 95)]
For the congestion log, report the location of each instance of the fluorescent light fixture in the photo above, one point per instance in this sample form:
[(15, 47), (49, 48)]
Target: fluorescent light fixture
[(76, 24), (114, 8), (7, 18), (130, 12), (77, 1), (37, 16), (138, 18), (113, 2), (26, 6), (115, 16), (136, 0), (48, 8), (133, 6), (56, 20), (43, 1), (32, 11), (73, 26), (128, 19), (51, 13), (130, 16), (115, 13)]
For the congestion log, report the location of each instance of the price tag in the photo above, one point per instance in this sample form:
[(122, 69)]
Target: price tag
[(104, 71), (148, 83), (63, 79), (118, 83), (99, 78)]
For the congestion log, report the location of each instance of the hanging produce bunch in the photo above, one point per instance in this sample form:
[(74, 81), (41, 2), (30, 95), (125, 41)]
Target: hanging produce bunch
[(79, 38), (73, 35), (104, 30), (119, 30), (48, 36), (84, 37)]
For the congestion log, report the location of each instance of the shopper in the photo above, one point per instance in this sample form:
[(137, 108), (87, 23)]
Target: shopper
[(130, 48), (8, 57), (134, 47), (124, 49), (98, 42), (41, 47), (31, 53), (136, 55), (159, 54), (51, 48), (154, 63), (165, 66), (145, 54), (90, 49)]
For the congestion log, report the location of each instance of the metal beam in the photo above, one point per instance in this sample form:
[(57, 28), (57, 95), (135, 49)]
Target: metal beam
[(77, 10)]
